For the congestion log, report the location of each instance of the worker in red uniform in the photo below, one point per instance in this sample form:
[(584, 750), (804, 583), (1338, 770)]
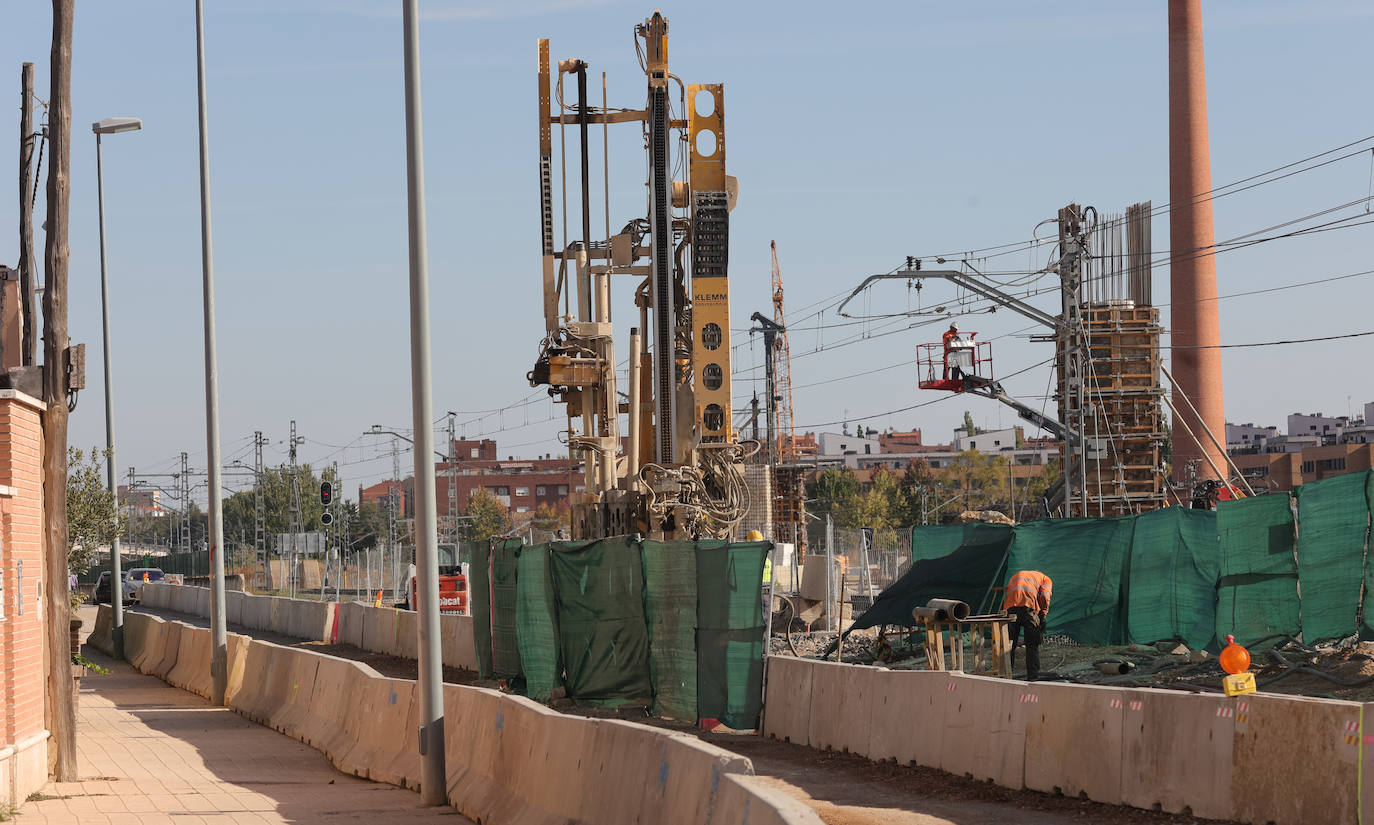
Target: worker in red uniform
[(1028, 602), (949, 338)]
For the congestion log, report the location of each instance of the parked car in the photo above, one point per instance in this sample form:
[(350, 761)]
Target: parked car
[(102, 587), (136, 578)]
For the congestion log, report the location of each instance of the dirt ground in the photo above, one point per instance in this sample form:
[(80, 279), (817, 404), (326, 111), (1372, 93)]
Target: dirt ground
[(848, 790)]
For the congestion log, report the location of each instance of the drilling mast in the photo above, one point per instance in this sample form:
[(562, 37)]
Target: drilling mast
[(678, 474)]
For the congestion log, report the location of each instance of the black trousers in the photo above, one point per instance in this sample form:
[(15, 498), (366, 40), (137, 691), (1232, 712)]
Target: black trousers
[(1025, 620)]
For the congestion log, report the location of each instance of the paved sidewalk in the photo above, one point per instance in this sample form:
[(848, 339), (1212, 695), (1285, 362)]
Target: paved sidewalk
[(151, 754)]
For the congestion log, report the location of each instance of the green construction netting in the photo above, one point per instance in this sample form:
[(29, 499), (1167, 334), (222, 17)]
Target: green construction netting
[(603, 638), (938, 541), (1171, 579), (670, 607), (505, 650), (1085, 559), (1257, 592), (730, 631), (1332, 519), (970, 572), (536, 622), (479, 605)]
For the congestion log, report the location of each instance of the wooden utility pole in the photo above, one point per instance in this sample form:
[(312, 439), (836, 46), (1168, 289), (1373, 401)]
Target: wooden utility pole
[(61, 708), (26, 144)]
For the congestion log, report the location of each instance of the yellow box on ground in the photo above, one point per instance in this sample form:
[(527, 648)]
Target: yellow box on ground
[(1237, 683)]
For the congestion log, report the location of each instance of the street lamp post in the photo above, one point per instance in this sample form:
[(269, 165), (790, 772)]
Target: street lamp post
[(110, 126), (219, 642)]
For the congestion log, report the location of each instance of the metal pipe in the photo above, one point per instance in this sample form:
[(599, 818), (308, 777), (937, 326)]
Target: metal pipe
[(433, 781), (1226, 455), (636, 389), (219, 642), (955, 609)]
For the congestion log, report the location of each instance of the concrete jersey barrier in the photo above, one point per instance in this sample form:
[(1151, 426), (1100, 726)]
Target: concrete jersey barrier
[(1256, 758), (375, 629), (515, 761)]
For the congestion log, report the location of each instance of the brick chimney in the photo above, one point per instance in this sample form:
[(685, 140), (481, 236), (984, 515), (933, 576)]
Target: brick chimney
[(1192, 266)]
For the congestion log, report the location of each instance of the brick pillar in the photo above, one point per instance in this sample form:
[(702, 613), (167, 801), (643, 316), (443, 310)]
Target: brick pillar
[(1192, 266)]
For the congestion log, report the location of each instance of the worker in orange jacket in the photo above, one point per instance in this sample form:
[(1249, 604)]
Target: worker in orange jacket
[(1028, 602), (949, 339)]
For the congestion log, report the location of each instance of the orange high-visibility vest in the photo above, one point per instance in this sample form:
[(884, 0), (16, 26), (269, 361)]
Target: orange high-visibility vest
[(1029, 588)]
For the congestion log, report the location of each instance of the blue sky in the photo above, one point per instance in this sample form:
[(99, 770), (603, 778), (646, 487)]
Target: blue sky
[(860, 134)]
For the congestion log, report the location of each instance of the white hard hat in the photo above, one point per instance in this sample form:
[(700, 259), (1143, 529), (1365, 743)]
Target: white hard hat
[(954, 326)]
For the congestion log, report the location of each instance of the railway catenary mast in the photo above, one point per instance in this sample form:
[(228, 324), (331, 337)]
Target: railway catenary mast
[(678, 474)]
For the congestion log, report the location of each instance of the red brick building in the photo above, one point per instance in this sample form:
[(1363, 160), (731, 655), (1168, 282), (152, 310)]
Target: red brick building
[(522, 484), (23, 736)]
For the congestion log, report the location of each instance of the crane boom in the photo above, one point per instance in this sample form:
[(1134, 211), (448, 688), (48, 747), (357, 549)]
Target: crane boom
[(787, 448)]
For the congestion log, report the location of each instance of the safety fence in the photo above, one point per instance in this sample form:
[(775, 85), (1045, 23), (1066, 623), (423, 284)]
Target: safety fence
[(1257, 758), (508, 759), (678, 625), (1259, 568), (376, 629)]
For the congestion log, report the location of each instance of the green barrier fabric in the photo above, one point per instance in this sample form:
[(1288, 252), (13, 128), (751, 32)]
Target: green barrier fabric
[(974, 585), (1257, 592), (1171, 577), (505, 651), (1333, 516), (603, 638), (935, 541), (670, 606), (536, 622), (479, 601), (1084, 558), (730, 631)]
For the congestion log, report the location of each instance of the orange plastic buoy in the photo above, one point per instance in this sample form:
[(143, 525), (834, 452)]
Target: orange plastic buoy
[(1234, 658)]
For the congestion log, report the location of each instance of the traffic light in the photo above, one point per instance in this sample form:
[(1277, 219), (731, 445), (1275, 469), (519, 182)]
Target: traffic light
[(326, 494), (326, 518)]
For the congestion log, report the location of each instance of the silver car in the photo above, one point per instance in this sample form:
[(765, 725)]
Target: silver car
[(136, 578)]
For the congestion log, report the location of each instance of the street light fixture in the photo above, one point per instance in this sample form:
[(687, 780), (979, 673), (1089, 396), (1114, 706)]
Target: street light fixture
[(115, 125), (110, 126)]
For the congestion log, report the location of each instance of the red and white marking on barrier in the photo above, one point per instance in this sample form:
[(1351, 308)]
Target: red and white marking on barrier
[(1030, 698), (1225, 713), (1137, 705), (1116, 704), (1352, 733), (952, 687)]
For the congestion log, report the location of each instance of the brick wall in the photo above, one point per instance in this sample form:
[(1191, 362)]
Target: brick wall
[(22, 735)]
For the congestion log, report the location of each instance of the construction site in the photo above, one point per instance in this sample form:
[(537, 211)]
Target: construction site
[(699, 603)]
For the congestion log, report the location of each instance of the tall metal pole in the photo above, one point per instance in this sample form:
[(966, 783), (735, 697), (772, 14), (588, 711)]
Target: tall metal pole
[(433, 781), (219, 643), (116, 590)]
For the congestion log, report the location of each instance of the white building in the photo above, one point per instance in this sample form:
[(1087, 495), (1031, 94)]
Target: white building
[(985, 441), (838, 444), (1248, 437)]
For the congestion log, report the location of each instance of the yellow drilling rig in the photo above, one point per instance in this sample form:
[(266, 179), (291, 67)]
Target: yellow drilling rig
[(678, 472)]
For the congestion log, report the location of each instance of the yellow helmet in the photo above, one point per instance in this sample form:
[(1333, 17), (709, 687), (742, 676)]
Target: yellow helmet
[(753, 535)]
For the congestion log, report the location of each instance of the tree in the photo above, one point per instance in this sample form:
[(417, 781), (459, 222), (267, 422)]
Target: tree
[(93, 517), (969, 429), (367, 525), (487, 517), (549, 518), (979, 477), (239, 508)]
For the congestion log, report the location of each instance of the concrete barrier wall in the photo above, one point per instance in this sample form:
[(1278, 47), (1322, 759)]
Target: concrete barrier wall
[(509, 759), (1259, 758), (376, 629)]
